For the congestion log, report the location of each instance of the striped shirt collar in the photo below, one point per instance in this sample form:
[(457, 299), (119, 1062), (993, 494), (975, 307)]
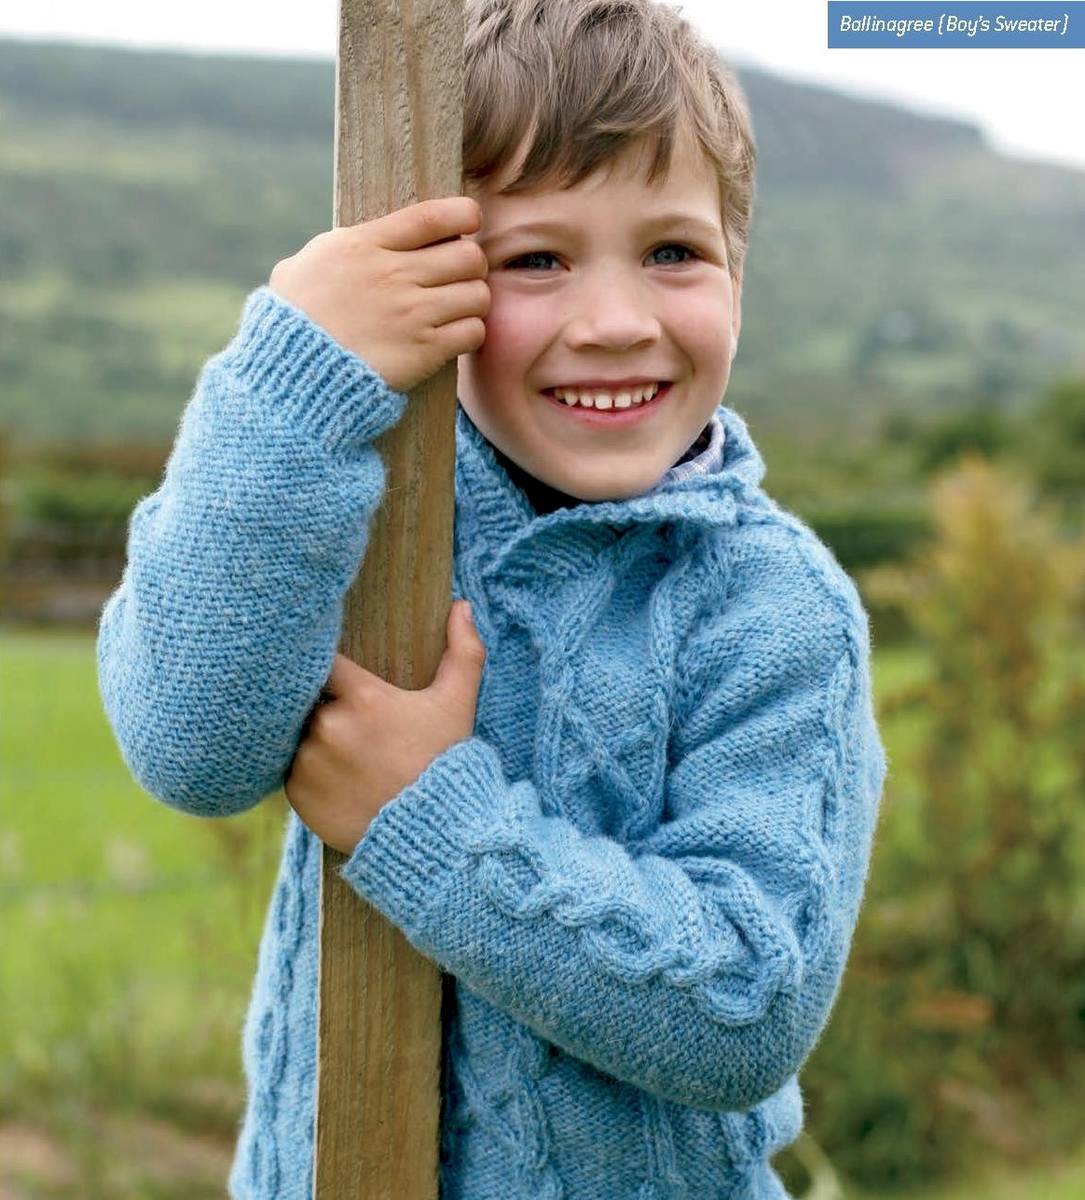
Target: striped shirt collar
[(694, 462)]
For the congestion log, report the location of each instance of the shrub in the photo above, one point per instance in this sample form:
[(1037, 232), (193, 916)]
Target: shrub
[(960, 1028)]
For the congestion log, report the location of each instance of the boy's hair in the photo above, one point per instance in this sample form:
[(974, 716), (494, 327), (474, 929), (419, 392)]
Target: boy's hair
[(577, 81)]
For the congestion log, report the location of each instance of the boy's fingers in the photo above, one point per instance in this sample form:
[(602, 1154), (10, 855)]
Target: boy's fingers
[(453, 302), (464, 657), (428, 222), (344, 675), (463, 336), (449, 262)]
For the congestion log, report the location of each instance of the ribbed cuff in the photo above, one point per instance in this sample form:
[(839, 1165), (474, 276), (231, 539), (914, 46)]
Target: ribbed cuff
[(416, 843), (285, 359)]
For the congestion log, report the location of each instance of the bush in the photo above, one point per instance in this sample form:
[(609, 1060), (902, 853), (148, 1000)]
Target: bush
[(978, 430), (1057, 432), (864, 537), (960, 1028), (100, 500)]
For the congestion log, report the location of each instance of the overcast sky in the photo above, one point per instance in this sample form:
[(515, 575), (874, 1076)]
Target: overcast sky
[(1027, 101)]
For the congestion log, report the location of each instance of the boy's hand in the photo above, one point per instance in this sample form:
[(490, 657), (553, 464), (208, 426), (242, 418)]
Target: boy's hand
[(373, 739), (385, 290)]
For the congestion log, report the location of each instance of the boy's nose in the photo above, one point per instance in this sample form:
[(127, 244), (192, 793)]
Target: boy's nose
[(612, 313)]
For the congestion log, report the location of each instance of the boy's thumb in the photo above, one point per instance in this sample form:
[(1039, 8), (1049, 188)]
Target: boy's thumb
[(463, 660)]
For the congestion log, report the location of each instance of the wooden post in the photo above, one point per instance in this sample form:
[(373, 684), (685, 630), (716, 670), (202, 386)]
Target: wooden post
[(398, 140)]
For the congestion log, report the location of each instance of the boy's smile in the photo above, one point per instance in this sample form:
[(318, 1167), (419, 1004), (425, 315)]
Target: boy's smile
[(615, 290)]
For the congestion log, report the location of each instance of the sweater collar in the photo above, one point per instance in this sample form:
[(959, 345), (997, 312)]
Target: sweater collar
[(498, 519)]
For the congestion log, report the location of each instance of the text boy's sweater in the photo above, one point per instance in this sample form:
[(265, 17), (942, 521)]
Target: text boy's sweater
[(645, 866)]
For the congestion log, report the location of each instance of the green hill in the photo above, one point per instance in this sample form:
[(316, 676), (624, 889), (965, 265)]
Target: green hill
[(896, 260)]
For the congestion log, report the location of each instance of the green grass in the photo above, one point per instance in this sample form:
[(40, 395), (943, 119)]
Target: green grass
[(815, 1179), (130, 930), (1059, 1181)]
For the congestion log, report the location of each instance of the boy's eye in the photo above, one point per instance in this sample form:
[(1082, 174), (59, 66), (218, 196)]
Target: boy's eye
[(678, 246), (524, 261)]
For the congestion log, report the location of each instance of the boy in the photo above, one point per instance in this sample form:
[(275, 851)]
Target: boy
[(633, 814)]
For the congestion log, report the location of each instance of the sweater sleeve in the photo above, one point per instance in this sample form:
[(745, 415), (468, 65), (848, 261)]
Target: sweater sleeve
[(700, 963), (215, 645)]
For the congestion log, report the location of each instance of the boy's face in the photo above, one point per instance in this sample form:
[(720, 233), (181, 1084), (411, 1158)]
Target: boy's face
[(604, 296)]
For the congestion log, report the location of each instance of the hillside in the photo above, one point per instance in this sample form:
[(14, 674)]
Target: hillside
[(896, 260)]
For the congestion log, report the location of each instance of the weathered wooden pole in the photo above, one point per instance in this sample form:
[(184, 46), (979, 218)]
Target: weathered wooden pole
[(398, 139)]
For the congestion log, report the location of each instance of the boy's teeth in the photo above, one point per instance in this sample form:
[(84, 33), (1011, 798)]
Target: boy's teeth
[(604, 400)]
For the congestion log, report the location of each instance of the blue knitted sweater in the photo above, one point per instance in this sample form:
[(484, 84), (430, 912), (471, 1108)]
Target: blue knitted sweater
[(644, 867)]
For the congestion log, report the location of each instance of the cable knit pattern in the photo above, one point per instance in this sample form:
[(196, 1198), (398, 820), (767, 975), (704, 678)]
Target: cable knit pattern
[(642, 871)]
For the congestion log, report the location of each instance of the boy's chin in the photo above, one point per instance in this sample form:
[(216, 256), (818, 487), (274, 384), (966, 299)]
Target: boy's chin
[(578, 487), (594, 493)]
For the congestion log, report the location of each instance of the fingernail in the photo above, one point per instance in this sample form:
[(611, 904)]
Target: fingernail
[(467, 612)]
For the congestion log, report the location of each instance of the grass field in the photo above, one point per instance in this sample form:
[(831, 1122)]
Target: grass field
[(130, 938), (130, 945)]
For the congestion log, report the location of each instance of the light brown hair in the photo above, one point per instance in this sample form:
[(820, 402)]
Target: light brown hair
[(578, 81)]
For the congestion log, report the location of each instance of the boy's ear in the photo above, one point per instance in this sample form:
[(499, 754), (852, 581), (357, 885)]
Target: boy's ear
[(736, 310)]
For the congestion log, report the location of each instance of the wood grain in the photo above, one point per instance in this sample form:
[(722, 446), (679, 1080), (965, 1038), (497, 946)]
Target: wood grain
[(398, 140)]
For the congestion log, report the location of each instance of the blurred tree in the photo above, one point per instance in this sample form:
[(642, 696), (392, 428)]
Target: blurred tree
[(861, 535), (980, 428), (1057, 429), (899, 425), (998, 599), (961, 1024), (5, 503)]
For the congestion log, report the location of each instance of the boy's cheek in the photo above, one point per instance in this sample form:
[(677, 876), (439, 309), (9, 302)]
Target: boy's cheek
[(512, 331), (705, 330)]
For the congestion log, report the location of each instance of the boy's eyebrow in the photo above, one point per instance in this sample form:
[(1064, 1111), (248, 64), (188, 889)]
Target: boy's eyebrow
[(662, 220)]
